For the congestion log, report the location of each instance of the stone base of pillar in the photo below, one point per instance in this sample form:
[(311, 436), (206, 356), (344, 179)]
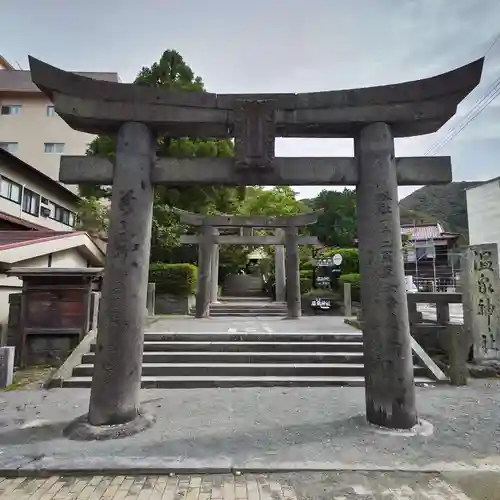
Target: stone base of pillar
[(82, 430)]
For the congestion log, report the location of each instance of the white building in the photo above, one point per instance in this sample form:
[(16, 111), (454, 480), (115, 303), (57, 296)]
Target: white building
[(37, 218), (483, 213), (29, 126)]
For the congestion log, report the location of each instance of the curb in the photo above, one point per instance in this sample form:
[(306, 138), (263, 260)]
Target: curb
[(39, 471)]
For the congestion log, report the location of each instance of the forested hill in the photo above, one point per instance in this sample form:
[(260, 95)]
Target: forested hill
[(446, 204), (430, 204)]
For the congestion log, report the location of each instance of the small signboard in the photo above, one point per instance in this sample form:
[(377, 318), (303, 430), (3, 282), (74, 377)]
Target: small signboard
[(320, 303), (323, 280), (324, 262), (337, 259)]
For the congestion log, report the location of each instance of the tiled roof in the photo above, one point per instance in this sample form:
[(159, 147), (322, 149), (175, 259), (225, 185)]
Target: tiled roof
[(20, 80), (11, 239), (425, 232)]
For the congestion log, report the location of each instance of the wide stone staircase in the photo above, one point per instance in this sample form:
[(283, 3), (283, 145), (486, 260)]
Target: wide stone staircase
[(243, 285), (250, 359), (245, 306)]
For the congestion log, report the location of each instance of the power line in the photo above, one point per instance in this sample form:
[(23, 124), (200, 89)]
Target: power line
[(487, 97), (478, 107)]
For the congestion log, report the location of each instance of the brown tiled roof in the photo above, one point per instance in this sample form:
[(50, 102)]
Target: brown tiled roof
[(11, 239), (426, 232), (20, 80)]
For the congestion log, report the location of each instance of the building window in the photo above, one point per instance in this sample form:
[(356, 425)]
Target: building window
[(63, 215), (31, 202), (10, 190), (54, 147), (11, 147), (11, 109), (51, 111)]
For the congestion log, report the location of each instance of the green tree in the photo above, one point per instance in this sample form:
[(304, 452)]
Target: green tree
[(172, 72), (279, 200), (337, 226)]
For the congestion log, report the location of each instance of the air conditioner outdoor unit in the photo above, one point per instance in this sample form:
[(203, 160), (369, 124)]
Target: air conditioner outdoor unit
[(45, 211)]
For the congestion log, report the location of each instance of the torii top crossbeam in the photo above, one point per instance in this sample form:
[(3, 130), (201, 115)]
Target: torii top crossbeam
[(257, 221), (255, 120), (100, 107)]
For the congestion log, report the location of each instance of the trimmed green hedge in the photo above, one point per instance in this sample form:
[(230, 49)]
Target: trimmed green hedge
[(306, 280), (177, 279), (354, 280)]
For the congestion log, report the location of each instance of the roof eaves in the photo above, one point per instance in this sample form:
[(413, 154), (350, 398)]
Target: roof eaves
[(20, 163)]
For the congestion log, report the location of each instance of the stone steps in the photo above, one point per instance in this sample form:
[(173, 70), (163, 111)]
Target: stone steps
[(246, 359), (246, 306), (232, 382), (172, 347)]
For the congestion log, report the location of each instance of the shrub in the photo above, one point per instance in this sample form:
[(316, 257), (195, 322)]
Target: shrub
[(350, 259), (354, 280), (306, 281), (177, 279)]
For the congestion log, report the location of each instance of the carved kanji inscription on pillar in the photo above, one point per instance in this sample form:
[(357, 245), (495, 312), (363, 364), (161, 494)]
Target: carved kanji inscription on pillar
[(254, 133)]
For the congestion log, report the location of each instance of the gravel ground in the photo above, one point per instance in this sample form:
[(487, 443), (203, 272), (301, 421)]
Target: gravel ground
[(257, 428)]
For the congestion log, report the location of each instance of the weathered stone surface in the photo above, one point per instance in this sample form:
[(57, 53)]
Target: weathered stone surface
[(389, 381), (167, 303), (117, 375), (292, 273), (101, 107), (150, 301), (257, 221), (481, 297), (234, 239), (294, 171), (82, 430), (347, 300), (6, 365), (49, 349), (483, 370), (207, 247), (279, 268), (214, 273), (254, 134)]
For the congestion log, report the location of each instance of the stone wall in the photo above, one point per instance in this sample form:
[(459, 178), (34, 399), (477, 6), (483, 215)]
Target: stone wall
[(49, 349), (167, 303)]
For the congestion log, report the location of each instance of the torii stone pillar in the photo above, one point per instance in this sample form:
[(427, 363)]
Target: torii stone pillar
[(116, 382), (207, 247), (279, 268), (293, 301), (386, 330), (214, 274)]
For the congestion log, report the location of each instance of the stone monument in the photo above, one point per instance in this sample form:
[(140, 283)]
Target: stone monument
[(372, 116), (481, 298)]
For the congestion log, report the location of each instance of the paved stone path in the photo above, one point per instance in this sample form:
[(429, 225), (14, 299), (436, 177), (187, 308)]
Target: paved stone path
[(298, 486)]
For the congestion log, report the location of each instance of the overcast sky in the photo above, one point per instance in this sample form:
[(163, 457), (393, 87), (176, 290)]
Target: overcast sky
[(280, 46)]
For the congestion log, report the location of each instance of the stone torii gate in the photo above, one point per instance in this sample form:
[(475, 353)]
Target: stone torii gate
[(286, 262), (372, 116)]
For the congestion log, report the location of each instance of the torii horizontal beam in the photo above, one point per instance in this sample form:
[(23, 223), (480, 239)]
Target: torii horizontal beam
[(257, 221), (230, 239), (100, 107), (411, 171)]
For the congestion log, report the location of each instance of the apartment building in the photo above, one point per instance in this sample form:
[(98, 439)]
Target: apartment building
[(30, 199), (483, 213), (29, 126)]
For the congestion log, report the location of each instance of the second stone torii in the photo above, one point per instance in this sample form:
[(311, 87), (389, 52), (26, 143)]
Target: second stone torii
[(287, 255)]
